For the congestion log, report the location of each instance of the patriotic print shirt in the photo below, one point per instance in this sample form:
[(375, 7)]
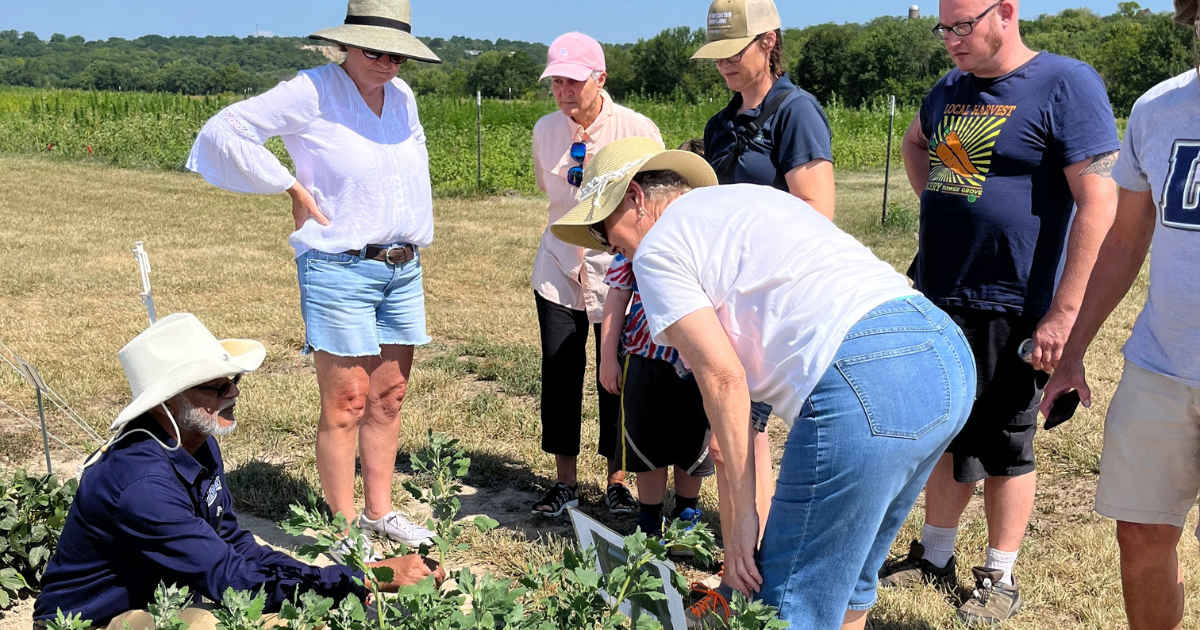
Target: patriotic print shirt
[(636, 337)]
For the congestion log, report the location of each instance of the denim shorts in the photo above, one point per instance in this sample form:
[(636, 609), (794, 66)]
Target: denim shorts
[(351, 306), (900, 388)]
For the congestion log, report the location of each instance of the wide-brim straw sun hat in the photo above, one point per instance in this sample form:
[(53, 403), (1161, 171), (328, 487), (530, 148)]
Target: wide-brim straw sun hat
[(607, 177), (176, 354), (379, 25), (733, 24)]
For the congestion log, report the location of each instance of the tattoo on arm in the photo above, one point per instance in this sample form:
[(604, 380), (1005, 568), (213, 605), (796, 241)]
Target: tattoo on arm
[(1101, 165)]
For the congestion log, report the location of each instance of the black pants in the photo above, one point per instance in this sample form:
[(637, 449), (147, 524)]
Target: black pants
[(564, 361)]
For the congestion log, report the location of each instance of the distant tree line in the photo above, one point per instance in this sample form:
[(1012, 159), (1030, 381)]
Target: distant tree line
[(851, 64)]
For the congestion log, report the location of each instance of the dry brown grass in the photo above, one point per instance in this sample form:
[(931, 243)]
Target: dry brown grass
[(68, 302)]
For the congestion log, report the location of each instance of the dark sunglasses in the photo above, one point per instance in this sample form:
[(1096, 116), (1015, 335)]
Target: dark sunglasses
[(373, 55), (579, 154), (599, 233), (962, 29), (223, 389)]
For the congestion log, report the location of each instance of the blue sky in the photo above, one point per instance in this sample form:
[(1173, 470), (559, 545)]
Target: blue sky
[(530, 20)]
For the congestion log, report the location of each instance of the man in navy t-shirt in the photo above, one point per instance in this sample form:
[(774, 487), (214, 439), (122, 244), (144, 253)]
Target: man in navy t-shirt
[(1005, 146)]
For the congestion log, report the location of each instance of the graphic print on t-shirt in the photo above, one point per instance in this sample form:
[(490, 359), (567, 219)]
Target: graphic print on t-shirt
[(960, 151), (1181, 192)]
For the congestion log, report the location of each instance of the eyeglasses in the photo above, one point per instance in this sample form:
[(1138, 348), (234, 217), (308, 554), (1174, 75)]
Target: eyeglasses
[(738, 57), (962, 29), (598, 232), (223, 389), (374, 54), (579, 154)]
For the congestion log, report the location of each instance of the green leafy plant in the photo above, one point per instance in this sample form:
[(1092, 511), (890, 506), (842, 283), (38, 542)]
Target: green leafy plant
[(32, 513), (446, 465), (240, 610), (308, 613), (348, 538), (67, 622), (169, 602)]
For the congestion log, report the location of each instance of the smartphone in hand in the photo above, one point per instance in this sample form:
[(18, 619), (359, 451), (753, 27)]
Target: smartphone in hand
[(1062, 410)]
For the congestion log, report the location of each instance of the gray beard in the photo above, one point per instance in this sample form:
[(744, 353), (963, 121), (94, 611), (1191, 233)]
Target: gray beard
[(196, 420)]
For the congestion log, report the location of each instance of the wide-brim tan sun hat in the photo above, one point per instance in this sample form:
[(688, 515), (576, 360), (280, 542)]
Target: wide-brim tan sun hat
[(176, 354), (733, 24), (607, 177), (379, 25)]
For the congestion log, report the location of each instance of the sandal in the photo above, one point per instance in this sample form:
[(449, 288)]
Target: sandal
[(556, 500), (619, 499)]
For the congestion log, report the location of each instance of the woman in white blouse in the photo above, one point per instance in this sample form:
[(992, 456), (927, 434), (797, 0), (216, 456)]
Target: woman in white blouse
[(363, 209)]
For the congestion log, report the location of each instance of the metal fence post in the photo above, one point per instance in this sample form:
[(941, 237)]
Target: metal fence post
[(479, 141), (887, 169), (31, 375)]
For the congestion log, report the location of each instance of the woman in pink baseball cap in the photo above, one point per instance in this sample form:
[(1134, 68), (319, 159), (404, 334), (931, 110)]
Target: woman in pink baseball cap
[(568, 280)]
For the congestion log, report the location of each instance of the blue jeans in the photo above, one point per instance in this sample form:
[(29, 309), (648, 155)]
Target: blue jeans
[(899, 390), (351, 306)]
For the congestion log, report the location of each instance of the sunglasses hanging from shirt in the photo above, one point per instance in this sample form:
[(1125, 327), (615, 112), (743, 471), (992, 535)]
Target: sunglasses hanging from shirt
[(579, 154)]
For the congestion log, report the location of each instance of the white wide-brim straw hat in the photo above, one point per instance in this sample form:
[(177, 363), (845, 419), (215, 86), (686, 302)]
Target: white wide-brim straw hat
[(176, 354), (379, 25), (607, 177)]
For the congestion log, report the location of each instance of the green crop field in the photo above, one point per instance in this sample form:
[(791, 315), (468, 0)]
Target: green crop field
[(143, 130)]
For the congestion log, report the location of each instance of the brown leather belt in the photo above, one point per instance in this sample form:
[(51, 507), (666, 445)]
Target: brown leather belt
[(394, 255)]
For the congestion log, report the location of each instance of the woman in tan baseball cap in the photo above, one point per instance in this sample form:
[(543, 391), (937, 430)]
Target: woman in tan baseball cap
[(772, 132)]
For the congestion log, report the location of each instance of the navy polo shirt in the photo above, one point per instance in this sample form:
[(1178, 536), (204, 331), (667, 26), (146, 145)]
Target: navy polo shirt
[(796, 134), (144, 515)]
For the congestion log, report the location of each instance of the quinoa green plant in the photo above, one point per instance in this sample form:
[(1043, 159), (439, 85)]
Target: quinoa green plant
[(444, 462), (335, 531), (32, 513), (241, 610), (169, 602)]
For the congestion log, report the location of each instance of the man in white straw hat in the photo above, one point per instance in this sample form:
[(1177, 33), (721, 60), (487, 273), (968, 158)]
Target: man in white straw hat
[(363, 210), (767, 300), (154, 505)]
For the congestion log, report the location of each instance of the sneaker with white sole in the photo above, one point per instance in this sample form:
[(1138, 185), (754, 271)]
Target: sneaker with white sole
[(398, 528), (338, 552)]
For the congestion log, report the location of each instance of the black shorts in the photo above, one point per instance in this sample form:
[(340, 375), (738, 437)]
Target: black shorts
[(997, 440), (662, 420)]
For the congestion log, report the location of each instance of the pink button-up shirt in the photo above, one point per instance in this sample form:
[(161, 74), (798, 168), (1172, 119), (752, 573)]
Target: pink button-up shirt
[(565, 274)]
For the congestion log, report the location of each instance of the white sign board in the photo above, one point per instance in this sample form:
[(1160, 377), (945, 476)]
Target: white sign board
[(610, 553), (31, 374)]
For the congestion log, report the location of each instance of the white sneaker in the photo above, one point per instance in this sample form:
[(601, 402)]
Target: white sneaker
[(339, 551), (395, 526)]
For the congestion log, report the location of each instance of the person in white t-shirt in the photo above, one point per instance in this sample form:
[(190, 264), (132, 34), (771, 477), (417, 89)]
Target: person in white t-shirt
[(363, 209), (766, 299), (1149, 477)]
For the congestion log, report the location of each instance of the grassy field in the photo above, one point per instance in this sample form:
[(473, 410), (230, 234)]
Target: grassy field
[(68, 302), (156, 131)]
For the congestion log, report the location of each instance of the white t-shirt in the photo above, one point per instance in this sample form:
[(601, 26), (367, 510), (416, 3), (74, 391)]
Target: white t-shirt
[(786, 283), (369, 174), (1161, 152)]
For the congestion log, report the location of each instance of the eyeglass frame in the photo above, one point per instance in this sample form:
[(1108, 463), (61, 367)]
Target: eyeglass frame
[(599, 233), (378, 55), (223, 389), (940, 30), (738, 57)]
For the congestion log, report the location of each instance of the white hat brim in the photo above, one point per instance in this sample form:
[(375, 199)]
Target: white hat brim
[(245, 356), (386, 40)]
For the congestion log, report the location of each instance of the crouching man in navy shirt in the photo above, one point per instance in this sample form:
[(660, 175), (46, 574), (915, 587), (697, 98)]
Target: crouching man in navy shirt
[(154, 506)]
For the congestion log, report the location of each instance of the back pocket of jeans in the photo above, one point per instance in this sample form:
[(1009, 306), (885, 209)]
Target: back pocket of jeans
[(905, 392)]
